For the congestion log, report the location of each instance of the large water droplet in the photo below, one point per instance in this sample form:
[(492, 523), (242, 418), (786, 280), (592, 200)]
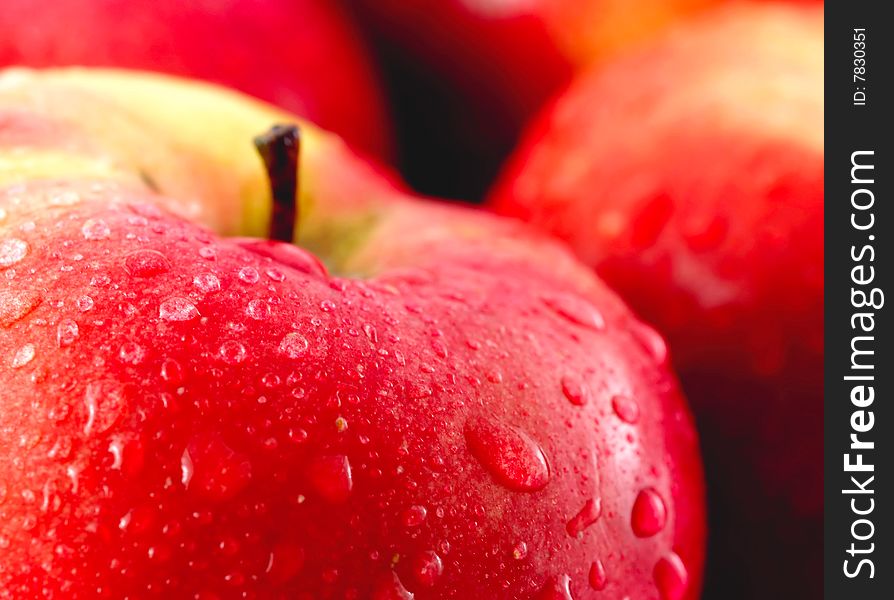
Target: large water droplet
[(186, 468), (23, 356), (597, 576), (146, 263), (649, 513), (576, 310), (258, 310), (390, 587), (84, 303), (587, 515), (16, 306), (625, 408), (104, 401), (330, 477), (557, 588), (427, 568), (650, 340), (285, 562), (249, 275), (206, 282), (520, 551), (670, 577), (177, 309), (12, 250), (131, 353), (219, 472), (232, 352), (293, 345), (95, 229), (414, 516), (509, 454), (66, 332), (575, 390)]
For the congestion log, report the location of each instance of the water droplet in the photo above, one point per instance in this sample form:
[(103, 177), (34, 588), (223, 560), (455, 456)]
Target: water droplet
[(649, 513), (218, 472), (625, 408), (293, 345), (16, 306), (100, 280), (84, 303), (576, 310), (327, 305), (390, 587), (520, 551), (24, 355), (116, 449), (650, 340), (66, 332), (509, 454), (330, 477), (177, 309), (206, 282), (186, 469), (146, 263), (171, 371), (576, 391), (104, 401), (249, 275), (597, 576), (285, 562), (414, 516), (341, 424), (12, 250), (95, 229), (670, 577), (557, 588), (258, 310), (275, 274), (587, 515), (427, 568), (131, 353), (232, 352)]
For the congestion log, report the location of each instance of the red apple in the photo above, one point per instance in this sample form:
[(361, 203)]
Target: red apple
[(689, 175), (452, 408), (303, 55)]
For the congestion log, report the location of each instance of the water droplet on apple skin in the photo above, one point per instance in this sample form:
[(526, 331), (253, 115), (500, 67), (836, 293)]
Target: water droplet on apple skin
[(587, 516), (427, 568), (331, 477), (671, 577), (95, 229), (12, 251), (146, 263), (649, 514), (625, 408), (67, 332), (597, 577), (15, 306), (176, 308), (509, 454), (23, 356)]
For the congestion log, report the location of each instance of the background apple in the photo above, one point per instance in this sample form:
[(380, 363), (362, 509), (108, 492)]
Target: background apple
[(303, 55), (468, 74), (689, 174), (459, 410)]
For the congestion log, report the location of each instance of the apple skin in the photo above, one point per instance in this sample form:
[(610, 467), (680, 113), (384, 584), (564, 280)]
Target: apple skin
[(689, 175), (302, 55), (470, 414)]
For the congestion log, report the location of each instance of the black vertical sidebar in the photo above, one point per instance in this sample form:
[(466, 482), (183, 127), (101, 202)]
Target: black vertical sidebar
[(859, 370)]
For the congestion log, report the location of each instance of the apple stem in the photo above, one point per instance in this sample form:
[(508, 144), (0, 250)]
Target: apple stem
[(280, 148)]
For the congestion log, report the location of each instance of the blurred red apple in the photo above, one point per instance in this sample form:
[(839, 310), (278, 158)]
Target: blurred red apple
[(302, 55), (689, 175), (459, 410)]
